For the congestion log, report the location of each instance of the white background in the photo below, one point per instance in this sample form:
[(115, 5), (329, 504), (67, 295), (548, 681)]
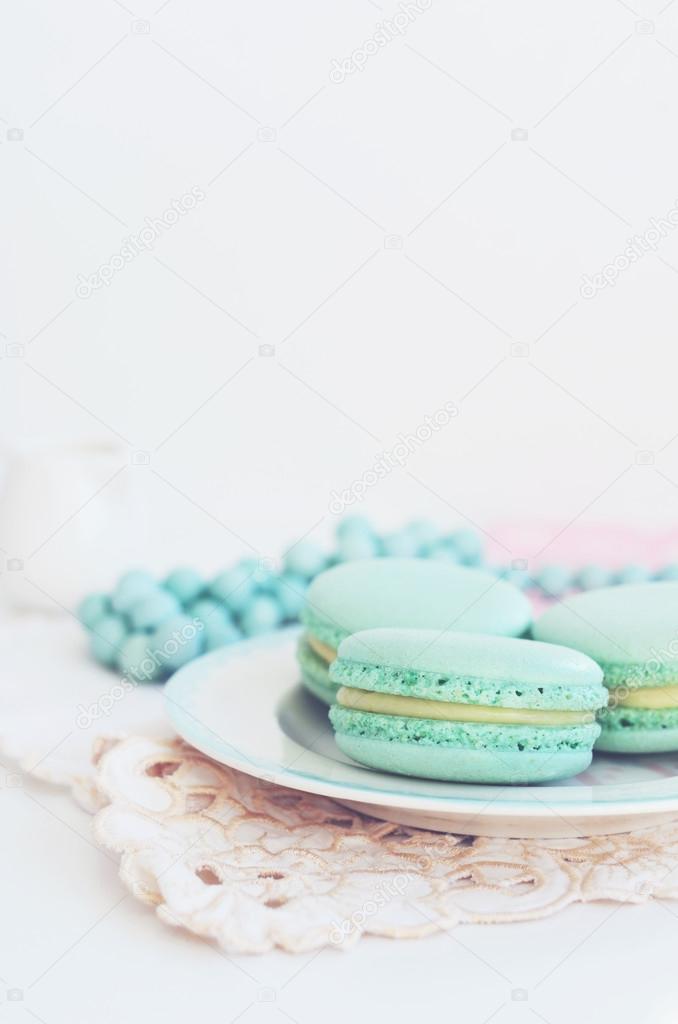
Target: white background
[(306, 181), (413, 235)]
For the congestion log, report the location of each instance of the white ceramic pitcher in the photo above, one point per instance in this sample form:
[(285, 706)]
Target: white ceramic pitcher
[(67, 515)]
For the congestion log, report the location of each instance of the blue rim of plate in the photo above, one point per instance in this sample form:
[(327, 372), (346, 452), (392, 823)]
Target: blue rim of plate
[(182, 687)]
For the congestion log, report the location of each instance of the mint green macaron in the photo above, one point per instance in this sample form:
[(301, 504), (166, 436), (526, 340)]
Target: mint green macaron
[(632, 632), (401, 592), (465, 707)]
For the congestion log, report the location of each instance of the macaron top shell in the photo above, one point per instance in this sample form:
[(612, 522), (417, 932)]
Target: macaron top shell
[(631, 630), (412, 592), (469, 668), (505, 659)]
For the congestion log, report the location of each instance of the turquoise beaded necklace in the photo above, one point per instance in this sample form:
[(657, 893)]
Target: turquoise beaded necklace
[(147, 628)]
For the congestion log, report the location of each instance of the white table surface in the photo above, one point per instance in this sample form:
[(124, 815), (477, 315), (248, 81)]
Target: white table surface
[(79, 948)]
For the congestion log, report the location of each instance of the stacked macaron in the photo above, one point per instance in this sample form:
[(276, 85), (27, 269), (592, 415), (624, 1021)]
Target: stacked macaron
[(400, 592), (632, 632), (464, 707)]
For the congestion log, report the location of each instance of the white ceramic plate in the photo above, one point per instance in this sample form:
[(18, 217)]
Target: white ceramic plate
[(243, 706)]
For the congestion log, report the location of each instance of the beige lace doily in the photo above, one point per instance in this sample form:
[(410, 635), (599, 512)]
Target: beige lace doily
[(253, 866)]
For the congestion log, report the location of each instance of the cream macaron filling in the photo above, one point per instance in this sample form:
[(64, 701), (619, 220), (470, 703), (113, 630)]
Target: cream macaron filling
[(323, 651), (651, 697), (416, 707)]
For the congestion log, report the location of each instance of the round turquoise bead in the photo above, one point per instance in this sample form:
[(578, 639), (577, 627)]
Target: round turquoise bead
[(264, 580), (554, 580), (357, 545), (136, 578), (469, 546), (351, 525), (518, 577), (106, 639), (131, 588), (425, 534), (136, 661), (235, 587), (632, 574), (262, 615), (443, 550), (402, 544), (247, 566), (219, 634), (305, 559), (593, 576), (207, 609), (152, 609), (291, 594), (185, 584), (668, 572), (93, 608), (175, 642)]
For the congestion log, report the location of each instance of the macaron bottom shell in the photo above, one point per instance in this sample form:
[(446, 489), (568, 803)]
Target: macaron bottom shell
[(459, 764), (463, 752), (315, 674), (638, 730)]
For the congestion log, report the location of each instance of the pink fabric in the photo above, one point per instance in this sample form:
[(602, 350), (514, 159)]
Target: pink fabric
[(605, 544), (609, 545)]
